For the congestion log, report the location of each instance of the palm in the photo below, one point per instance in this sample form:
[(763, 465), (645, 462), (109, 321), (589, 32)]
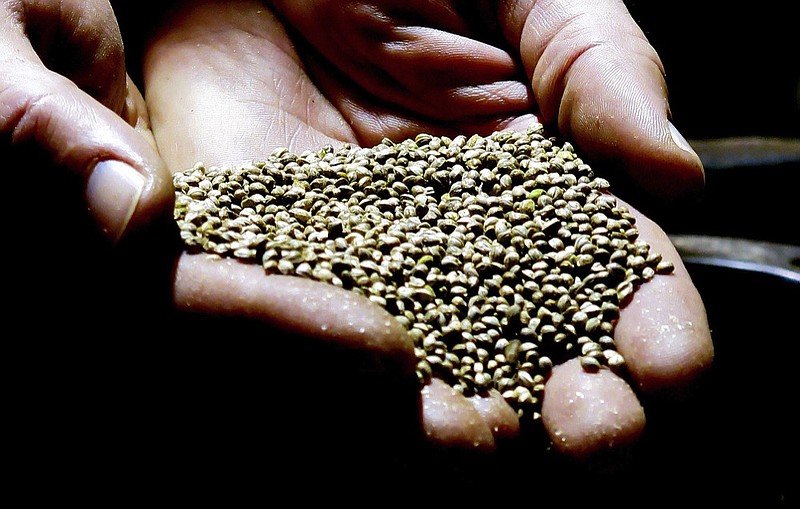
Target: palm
[(325, 84)]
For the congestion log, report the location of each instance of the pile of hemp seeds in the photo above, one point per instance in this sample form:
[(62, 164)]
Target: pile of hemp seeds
[(501, 255)]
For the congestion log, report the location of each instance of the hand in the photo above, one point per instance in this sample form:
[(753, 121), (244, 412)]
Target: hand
[(226, 83), (65, 98)]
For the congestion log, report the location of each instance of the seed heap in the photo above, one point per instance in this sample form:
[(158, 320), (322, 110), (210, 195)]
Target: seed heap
[(501, 255)]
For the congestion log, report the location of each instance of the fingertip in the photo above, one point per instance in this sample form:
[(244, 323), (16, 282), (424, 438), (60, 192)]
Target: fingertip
[(653, 158), (663, 331), (668, 167), (501, 419), (450, 420), (590, 414), (664, 335)]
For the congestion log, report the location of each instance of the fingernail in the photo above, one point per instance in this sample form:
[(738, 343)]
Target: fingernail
[(697, 178), (112, 193), (679, 140)]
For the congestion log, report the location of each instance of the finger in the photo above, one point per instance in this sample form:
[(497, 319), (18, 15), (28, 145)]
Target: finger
[(477, 423), (664, 337), (594, 73), (450, 420), (663, 332), (498, 415), (226, 287), (590, 414), (419, 60), (126, 185)]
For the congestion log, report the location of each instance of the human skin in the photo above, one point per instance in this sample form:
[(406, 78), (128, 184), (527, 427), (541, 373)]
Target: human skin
[(575, 66), (226, 83), (64, 90)]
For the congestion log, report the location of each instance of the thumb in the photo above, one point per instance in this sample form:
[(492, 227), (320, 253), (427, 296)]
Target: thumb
[(126, 184), (596, 76)]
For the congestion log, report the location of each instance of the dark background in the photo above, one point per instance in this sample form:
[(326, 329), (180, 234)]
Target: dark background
[(122, 400), (731, 69)]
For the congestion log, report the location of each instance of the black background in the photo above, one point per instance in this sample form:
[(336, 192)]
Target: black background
[(120, 400), (731, 69)]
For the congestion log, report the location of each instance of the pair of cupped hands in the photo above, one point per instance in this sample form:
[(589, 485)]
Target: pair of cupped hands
[(224, 82)]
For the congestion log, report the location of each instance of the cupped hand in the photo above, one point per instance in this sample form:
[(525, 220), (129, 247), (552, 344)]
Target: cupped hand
[(227, 82)]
